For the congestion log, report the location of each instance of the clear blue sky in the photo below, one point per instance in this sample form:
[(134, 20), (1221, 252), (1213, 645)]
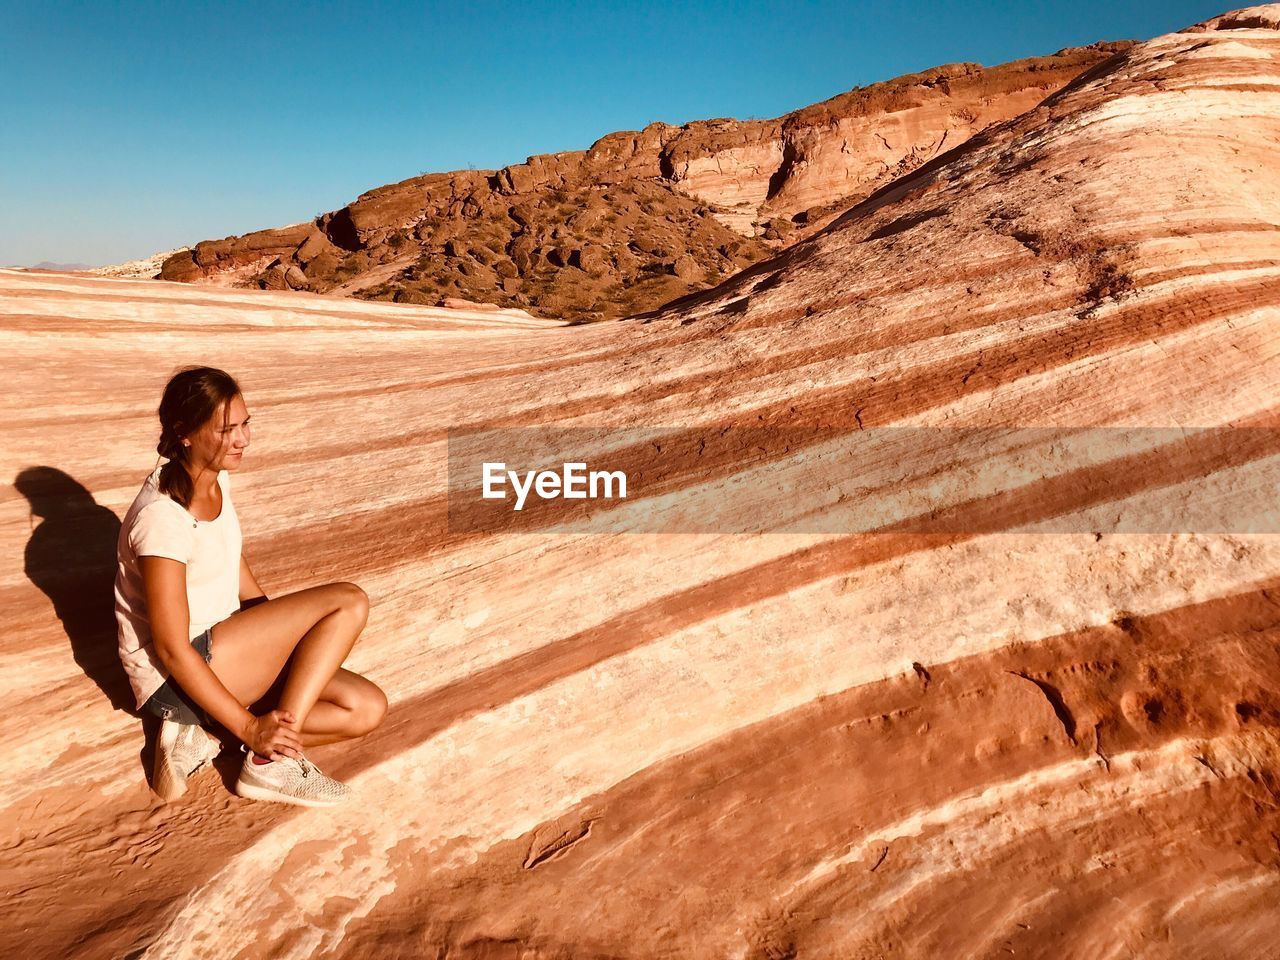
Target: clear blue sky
[(130, 128)]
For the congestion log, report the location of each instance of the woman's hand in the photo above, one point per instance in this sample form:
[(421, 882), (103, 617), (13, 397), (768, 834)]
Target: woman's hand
[(268, 737)]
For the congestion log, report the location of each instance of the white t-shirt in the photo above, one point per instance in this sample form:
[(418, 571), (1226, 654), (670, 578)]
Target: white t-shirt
[(156, 525)]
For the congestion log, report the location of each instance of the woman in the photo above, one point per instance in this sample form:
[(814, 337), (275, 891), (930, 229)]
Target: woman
[(199, 639)]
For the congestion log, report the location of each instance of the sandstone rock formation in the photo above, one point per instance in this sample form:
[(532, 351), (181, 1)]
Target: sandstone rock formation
[(145, 268), (639, 218), (965, 738)]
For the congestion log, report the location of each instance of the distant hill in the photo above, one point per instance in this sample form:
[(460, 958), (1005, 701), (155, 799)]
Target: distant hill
[(50, 265), (640, 218)]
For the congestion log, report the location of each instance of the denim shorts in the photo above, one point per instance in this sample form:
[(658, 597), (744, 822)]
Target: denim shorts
[(171, 702)]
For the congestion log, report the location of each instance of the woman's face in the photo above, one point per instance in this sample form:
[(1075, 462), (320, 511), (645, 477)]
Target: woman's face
[(218, 447)]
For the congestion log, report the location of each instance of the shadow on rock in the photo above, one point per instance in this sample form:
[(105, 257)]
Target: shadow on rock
[(71, 556)]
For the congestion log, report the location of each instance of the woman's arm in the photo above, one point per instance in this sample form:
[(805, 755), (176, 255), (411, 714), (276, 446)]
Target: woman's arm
[(249, 589), (164, 583)]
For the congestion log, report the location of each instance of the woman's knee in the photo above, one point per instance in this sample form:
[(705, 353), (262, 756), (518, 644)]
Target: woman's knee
[(353, 599), (370, 710)]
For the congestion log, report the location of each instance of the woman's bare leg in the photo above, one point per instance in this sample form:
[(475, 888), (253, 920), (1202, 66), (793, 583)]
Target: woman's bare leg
[(331, 728), (350, 706), (319, 654), (311, 631)]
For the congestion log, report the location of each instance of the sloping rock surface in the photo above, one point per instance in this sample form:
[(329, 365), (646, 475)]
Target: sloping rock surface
[(977, 741)]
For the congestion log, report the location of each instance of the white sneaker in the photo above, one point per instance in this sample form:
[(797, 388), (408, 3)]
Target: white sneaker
[(289, 781), (181, 750)]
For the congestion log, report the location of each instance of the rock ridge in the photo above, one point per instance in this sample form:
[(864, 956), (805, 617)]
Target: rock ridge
[(640, 217)]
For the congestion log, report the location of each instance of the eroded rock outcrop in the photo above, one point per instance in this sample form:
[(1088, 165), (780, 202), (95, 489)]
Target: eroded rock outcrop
[(641, 217)]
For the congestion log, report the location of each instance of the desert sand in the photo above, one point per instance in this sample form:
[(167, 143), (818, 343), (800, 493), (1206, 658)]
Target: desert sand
[(728, 744)]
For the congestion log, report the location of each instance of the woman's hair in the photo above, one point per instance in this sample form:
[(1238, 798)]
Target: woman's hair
[(191, 398)]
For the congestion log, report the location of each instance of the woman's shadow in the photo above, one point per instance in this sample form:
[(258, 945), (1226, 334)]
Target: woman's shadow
[(71, 556)]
